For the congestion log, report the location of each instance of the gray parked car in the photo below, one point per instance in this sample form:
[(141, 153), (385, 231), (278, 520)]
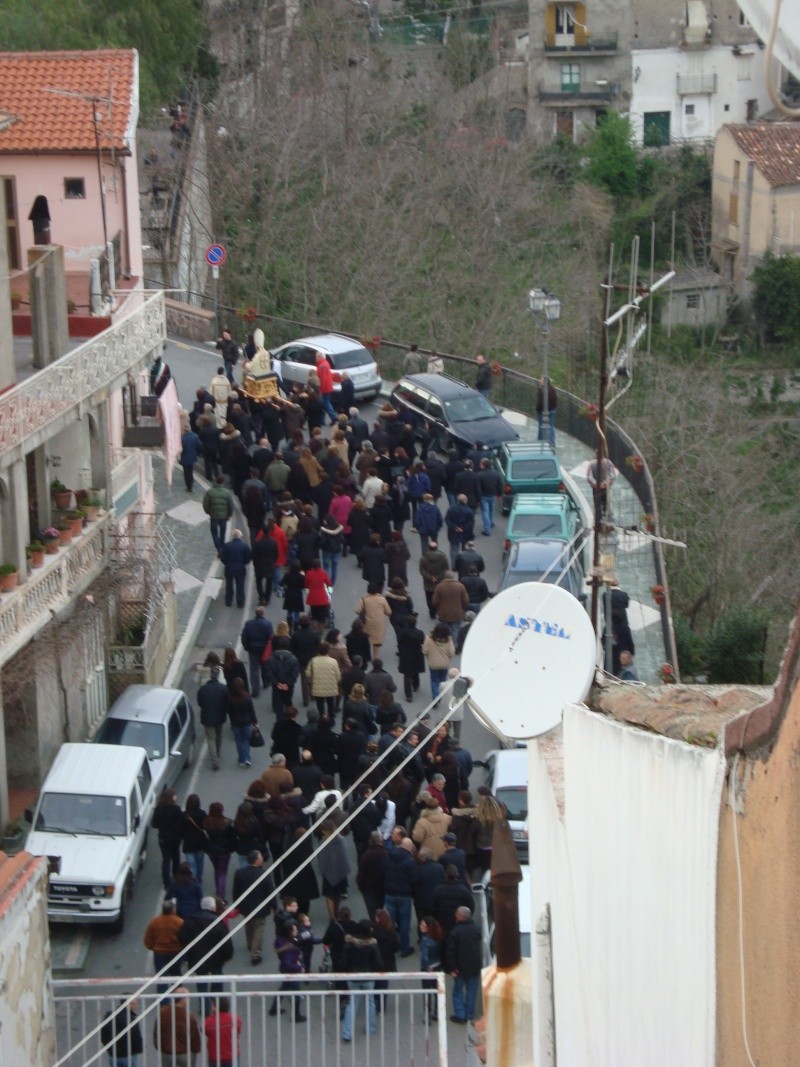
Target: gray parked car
[(296, 360), (159, 720)]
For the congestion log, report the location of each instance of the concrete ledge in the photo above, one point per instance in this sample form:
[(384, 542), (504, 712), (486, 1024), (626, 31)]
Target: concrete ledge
[(186, 320)]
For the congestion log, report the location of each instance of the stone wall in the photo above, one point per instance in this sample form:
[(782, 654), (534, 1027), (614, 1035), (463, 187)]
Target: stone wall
[(195, 323), (26, 1010)]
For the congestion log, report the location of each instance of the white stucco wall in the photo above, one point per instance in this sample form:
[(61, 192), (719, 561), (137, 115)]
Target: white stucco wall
[(630, 875), (655, 88)]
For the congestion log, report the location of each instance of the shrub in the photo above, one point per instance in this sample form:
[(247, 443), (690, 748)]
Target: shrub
[(735, 646)]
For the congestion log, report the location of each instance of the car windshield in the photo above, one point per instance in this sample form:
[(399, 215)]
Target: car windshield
[(536, 525), (532, 469), (515, 799), (146, 735), (356, 357), (469, 408), (77, 813), (553, 577)]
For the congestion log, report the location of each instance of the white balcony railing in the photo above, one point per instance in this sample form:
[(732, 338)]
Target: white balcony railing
[(124, 473), (105, 362), (49, 589)]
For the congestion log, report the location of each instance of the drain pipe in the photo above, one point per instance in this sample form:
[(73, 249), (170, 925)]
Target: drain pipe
[(508, 982)]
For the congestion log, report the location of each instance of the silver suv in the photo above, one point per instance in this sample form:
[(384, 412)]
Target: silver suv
[(296, 360), (159, 720)]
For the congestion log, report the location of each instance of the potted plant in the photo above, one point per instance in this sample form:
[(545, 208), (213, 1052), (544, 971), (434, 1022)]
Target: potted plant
[(61, 495), (9, 576), (92, 508), (64, 532), (50, 540), (667, 672), (13, 836), (75, 520), (35, 553), (636, 463), (659, 594)]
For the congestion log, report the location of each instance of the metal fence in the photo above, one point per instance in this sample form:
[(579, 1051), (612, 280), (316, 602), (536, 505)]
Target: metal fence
[(410, 1023)]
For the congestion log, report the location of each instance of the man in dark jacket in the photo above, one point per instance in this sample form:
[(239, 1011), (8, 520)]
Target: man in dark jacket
[(378, 681), (427, 520), (371, 873), (428, 874), (230, 352), (362, 956), (305, 645), (448, 896), (477, 589), (218, 505), (190, 453), (452, 468), (464, 955), (235, 556), (469, 557), (433, 566), (398, 888), (460, 521), (410, 660), (454, 857), (483, 379), (491, 487), (212, 698), (352, 745), (256, 635), (307, 776), (282, 672), (206, 935), (265, 558), (255, 906), (466, 484)]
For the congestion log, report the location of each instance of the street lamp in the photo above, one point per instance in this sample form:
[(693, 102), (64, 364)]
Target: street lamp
[(546, 308)]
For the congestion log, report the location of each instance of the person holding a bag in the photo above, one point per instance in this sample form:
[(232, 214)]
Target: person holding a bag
[(257, 643), (282, 672), (242, 714)]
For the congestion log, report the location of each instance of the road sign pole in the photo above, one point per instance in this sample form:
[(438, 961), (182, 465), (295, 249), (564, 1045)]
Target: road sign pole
[(215, 276)]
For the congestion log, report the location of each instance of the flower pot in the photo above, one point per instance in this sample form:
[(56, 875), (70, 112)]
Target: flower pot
[(51, 546), (8, 581), (92, 511), (76, 525), (63, 499), (37, 558), (65, 536)]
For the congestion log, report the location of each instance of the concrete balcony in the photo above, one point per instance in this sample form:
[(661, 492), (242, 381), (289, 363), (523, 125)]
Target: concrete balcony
[(48, 590), (584, 94), (592, 44), (53, 398), (696, 84)]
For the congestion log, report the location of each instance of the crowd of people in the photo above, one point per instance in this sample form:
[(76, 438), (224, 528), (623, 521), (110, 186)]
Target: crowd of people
[(316, 484)]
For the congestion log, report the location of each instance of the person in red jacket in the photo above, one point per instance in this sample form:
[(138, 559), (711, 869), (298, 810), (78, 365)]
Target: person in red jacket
[(325, 375), (222, 1030), (275, 531), (317, 597)]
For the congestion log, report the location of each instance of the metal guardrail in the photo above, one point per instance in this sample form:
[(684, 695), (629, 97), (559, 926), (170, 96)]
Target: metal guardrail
[(405, 1033)]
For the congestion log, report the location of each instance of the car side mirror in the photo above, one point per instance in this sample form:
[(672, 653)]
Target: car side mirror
[(479, 763), (176, 752)]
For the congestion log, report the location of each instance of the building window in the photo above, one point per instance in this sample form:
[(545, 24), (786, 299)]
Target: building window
[(743, 21), (737, 169), (752, 110), (656, 128), (693, 300), (74, 189), (570, 77), (689, 109), (12, 224), (565, 20), (733, 209)]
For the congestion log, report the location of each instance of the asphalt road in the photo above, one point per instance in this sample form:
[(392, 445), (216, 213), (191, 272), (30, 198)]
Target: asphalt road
[(123, 955)]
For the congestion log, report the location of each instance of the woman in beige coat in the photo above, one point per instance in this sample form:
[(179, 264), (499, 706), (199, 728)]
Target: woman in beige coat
[(439, 650), (376, 611), (430, 826), (324, 676)]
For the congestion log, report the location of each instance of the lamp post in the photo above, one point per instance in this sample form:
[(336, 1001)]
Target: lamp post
[(546, 308)]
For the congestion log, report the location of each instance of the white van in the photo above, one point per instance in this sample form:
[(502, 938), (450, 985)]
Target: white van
[(507, 776), (91, 822)]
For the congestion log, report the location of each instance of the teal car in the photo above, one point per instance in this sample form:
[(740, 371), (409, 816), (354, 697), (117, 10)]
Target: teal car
[(528, 467), (536, 516)]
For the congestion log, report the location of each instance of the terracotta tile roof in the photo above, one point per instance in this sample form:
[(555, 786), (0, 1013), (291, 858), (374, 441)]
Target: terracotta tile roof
[(51, 122), (774, 147)]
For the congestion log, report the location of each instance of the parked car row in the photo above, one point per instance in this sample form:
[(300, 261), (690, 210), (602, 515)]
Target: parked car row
[(96, 803)]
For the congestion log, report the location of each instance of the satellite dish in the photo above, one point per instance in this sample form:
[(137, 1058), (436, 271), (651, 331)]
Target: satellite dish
[(530, 651)]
